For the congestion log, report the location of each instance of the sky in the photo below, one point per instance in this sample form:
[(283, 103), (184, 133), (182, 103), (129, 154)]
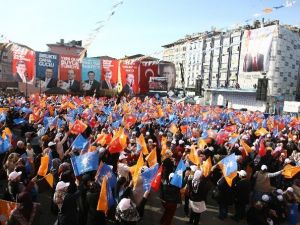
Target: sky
[(137, 27)]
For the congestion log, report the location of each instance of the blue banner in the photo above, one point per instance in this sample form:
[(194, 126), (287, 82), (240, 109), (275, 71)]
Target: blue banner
[(46, 60), (90, 65)]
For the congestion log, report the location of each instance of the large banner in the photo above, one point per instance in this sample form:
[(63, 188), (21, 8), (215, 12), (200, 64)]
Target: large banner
[(23, 64), (90, 74), (130, 76), (68, 63), (70, 75), (256, 47), (147, 71), (168, 71), (109, 72), (47, 69)]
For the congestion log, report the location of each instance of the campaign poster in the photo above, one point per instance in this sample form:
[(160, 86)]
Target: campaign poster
[(23, 64), (130, 75), (90, 73), (109, 74), (69, 65), (256, 47), (167, 70), (147, 70)]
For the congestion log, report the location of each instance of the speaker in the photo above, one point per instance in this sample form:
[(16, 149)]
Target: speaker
[(262, 89), (198, 88)]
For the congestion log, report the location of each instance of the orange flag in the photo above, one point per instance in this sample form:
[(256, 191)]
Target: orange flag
[(193, 156), (206, 167), (152, 158), (163, 145), (173, 129), (184, 129), (78, 127), (6, 208), (246, 147), (44, 166), (141, 141), (119, 141), (290, 171), (102, 201), (50, 179), (201, 144), (138, 168), (260, 132)]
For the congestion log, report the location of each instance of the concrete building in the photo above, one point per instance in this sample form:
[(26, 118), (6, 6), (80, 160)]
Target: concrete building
[(72, 48), (218, 59)]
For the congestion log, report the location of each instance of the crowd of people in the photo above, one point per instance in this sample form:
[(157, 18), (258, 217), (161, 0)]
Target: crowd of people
[(264, 188)]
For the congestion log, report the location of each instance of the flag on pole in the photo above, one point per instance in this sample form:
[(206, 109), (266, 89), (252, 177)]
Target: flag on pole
[(155, 184), (178, 175), (152, 158), (229, 168)]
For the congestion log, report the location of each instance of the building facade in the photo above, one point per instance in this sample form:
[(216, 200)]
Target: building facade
[(221, 61)]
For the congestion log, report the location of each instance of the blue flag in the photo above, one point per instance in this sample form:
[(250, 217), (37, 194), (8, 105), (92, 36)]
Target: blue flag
[(4, 145), (178, 175), (110, 198), (148, 175), (28, 166), (275, 132), (230, 165), (105, 170), (19, 121), (85, 162), (2, 117), (80, 142), (26, 110)]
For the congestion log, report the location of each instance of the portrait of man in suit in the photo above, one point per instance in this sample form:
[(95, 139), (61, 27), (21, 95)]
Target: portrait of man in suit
[(73, 85), (127, 88), (106, 84), (50, 81), (21, 73), (168, 71), (91, 83)]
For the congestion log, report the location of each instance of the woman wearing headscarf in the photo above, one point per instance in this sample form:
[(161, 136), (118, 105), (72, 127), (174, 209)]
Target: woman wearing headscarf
[(198, 189), (26, 213)]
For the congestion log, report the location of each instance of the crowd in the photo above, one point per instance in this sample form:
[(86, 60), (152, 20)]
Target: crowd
[(102, 160)]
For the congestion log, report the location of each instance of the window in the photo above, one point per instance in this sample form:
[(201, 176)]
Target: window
[(285, 79), (287, 91), (286, 64), (282, 58), (289, 74), (276, 69), (288, 48), (278, 52), (279, 90), (275, 85), (281, 74), (291, 84), (293, 66)]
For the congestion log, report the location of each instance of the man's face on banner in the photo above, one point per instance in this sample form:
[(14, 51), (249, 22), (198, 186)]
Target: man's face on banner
[(130, 79), (21, 68), (71, 74), (169, 73), (91, 76), (108, 76), (49, 73)]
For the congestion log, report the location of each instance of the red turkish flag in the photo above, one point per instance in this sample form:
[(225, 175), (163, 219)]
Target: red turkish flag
[(78, 127), (155, 184), (231, 128), (262, 149)]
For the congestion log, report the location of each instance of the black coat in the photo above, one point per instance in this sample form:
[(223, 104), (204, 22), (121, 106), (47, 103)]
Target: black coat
[(170, 193), (75, 87), (242, 191), (167, 168), (52, 83), (200, 193), (225, 192), (94, 217), (68, 215), (95, 86)]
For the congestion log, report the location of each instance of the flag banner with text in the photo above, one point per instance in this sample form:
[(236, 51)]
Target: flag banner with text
[(23, 64)]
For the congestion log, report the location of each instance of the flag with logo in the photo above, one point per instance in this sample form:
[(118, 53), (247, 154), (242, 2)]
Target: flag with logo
[(85, 162), (78, 127), (148, 175), (228, 166), (80, 142), (178, 174), (105, 170)]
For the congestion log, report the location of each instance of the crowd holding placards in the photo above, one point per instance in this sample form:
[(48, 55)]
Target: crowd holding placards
[(102, 160)]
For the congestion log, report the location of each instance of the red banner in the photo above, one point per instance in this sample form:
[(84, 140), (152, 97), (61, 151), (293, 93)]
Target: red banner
[(109, 74), (68, 63), (130, 74), (147, 70), (23, 64)]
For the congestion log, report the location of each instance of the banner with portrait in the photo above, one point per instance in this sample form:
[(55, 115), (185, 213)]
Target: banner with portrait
[(67, 63), (90, 73), (23, 64), (109, 74), (147, 70), (167, 69), (130, 74), (256, 49), (46, 60)]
